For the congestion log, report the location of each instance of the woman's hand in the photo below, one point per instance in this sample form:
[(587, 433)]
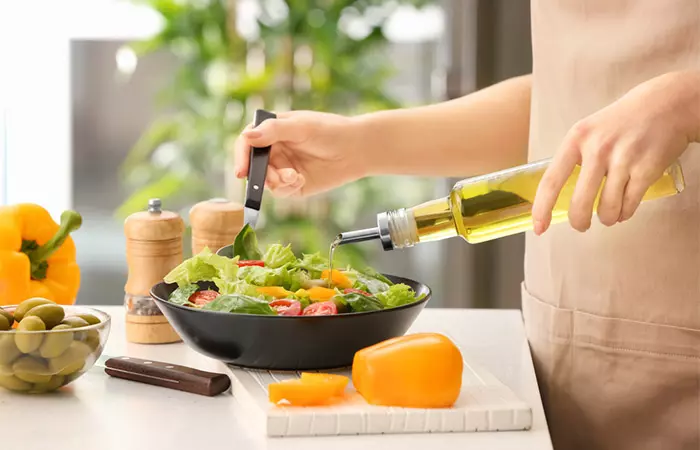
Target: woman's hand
[(311, 152), (630, 143)]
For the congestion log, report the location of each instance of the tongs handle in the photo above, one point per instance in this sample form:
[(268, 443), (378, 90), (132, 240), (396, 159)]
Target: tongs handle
[(257, 170)]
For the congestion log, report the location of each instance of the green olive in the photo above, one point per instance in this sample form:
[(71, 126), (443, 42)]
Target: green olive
[(28, 342), (6, 370), (50, 314), (28, 304), (31, 370), (8, 316), (13, 383), (89, 318), (75, 322), (56, 343), (4, 323), (72, 360), (93, 339), (54, 383), (8, 349)]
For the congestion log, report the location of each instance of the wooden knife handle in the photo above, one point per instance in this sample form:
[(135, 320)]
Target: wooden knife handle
[(168, 375)]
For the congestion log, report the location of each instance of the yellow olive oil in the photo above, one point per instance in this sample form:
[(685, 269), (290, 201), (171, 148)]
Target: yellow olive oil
[(493, 206), (487, 207)]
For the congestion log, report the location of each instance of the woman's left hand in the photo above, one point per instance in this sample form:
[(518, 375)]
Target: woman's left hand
[(630, 143)]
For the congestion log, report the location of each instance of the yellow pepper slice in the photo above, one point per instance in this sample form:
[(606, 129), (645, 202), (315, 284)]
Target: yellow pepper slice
[(309, 390), (338, 279), (421, 370), (274, 291), (320, 294)]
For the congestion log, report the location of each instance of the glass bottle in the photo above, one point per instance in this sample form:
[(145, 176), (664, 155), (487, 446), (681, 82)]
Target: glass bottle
[(486, 207)]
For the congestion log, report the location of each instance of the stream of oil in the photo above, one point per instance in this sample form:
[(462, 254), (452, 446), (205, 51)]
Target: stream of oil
[(334, 245)]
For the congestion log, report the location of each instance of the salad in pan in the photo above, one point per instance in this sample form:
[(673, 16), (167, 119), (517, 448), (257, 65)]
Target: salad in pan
[(277, 282)]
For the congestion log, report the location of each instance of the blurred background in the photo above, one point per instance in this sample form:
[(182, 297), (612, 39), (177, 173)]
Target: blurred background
[(108, 103)]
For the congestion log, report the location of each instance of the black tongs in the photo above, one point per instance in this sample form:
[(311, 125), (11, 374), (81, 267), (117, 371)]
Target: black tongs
[(257, 172)]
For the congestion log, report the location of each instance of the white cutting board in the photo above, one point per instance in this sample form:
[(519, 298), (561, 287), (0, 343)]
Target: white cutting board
[(485, 404)]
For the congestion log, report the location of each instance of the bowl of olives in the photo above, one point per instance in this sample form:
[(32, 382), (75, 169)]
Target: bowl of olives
[(44, 346)]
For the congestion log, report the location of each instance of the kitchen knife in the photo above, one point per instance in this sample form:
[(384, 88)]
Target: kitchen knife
[(257, 172), (164, 374)]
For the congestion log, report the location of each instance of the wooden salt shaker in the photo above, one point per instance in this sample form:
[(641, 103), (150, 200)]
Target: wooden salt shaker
[(215, 224), (153, 248)]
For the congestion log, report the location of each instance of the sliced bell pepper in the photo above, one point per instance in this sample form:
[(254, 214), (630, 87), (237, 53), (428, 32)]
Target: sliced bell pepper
[(309, 390), (37, 256), (421, 370), (339, 381), (274, 291), (320, 294), (338, 278)]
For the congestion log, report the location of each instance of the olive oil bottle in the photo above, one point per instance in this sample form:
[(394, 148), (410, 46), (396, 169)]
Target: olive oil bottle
[(486, 207)]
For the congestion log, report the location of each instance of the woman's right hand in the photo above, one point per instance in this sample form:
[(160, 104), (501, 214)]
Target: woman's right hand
[(311, 152)]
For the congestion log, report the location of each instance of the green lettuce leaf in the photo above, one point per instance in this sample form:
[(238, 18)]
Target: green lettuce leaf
[(246, 245), (181, 295), (298, 279), (238, 303), (263, 276), (227, 287), (313, 263), (398, 295), (202, 267), (277, 256)]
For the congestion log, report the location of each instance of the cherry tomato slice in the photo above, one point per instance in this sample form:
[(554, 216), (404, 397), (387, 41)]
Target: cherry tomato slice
[(201, 298), (328, 308), (357, 291), (286, 307), (251, 262)]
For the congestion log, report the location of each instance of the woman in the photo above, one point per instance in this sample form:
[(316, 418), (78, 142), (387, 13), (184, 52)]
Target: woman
[(613, 313)]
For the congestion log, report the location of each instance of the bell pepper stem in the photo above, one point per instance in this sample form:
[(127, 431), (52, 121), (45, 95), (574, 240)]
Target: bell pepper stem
[(70, 221)]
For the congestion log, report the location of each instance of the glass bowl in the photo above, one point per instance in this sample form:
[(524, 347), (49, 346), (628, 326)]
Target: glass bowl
[(43, 361)]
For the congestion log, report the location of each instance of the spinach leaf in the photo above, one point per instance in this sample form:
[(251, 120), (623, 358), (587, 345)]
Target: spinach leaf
[(371, 285), (239, 303), (359, 302), (181, 295), (371, 273), (246, 245)]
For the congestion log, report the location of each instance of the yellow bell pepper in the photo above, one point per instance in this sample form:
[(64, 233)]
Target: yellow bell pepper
[(274, 291), (414, 371), (312, 389), (320, 294), (338, 279), (37, 256)]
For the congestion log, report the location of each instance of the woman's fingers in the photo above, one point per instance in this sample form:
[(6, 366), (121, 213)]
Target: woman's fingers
[(283, 182), (585, 193), (272, 131), (550, 186), (241, 155), (612, 196)]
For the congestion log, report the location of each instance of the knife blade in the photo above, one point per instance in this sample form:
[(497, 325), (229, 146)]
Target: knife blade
[(257, 172), (163, 374)]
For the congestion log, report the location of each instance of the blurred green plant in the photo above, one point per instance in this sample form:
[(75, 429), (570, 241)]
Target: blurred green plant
[(298, 56)]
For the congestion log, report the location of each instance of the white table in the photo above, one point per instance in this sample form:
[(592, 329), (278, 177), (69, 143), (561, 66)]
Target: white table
[(97, 411)]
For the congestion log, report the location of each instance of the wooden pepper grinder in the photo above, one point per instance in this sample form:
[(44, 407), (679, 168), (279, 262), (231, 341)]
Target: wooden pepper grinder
[(215, 224), (153, 248)]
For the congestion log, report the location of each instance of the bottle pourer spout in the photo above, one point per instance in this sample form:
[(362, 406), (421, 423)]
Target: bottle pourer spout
[(381, 232)]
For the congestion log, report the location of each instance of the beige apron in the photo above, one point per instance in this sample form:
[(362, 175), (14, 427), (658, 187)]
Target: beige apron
[(613, 314)]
